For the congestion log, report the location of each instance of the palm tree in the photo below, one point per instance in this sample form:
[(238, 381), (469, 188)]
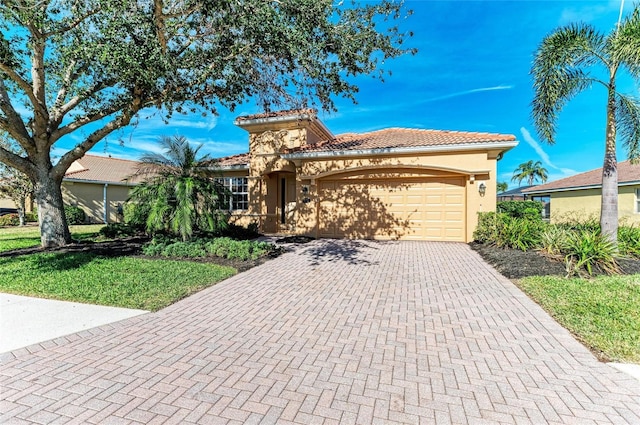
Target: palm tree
[(571, 60), (180, 194), (502, 187), (530, 171)]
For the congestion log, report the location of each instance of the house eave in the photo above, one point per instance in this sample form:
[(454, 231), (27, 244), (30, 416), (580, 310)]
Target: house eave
[(504, 146), (235, 167), (102, 182), (312, 119), (583, 187)]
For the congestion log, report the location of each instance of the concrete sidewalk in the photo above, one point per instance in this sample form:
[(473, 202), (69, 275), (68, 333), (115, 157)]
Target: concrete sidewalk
[(26, 320)]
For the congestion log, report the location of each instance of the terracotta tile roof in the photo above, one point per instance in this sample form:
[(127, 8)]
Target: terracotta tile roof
[(102, 169), (627, 173), (405, 137), (278, 114), (240, 159)]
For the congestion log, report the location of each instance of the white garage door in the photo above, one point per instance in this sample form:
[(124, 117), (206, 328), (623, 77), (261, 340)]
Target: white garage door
[(419, 209)]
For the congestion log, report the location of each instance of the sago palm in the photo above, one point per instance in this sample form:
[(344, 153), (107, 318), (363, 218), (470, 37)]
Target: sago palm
[(180, 193), (530, 171), (575, 58)]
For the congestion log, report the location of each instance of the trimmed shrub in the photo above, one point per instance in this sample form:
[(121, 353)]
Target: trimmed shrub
[(75, 215), (117, 230), (531, 210), (136, 215), (198, 248), (9, 220), (490, 225), (31, 217)]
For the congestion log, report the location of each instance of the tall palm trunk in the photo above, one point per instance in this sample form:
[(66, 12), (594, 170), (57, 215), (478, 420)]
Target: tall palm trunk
[(609, 206)]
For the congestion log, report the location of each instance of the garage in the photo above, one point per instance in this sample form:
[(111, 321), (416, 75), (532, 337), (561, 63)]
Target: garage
[(409, 209)]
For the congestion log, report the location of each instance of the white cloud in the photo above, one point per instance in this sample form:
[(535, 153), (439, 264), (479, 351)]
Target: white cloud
[(466, 92), (543, 155)]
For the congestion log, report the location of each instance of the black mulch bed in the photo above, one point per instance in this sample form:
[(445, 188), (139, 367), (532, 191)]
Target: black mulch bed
[(516, 264), (133, 247)]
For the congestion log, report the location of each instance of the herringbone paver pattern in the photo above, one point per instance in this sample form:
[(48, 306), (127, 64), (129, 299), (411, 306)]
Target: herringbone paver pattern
[(337, 332)]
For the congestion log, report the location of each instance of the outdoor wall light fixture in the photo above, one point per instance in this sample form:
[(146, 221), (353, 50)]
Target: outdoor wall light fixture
[(305, 189), (482, 189)]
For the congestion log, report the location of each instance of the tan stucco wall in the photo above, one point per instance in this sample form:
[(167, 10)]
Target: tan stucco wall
[(90, 197), (7, 203), (586, 203), (268, 168)]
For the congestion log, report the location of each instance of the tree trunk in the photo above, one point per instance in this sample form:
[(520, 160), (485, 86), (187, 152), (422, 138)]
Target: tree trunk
[(22, 210), (54, 230), (609, 206)]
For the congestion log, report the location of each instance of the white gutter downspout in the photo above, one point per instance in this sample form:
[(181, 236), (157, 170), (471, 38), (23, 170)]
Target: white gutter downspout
[(104, 199)]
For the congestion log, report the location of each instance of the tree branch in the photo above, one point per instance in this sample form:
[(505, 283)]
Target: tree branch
[(12, 122), (16, 161), (59, 112), (73, 24), (21, 82), (67, 159)]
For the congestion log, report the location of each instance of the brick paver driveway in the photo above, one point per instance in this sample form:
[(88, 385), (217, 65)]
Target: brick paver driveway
[(337, 332)]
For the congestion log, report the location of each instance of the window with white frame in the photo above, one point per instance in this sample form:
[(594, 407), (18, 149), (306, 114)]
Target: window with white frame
[(637, 200), (238, 192)]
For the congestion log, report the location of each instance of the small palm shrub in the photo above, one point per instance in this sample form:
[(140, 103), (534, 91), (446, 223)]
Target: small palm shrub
[(629, 241), (578, 221), (554, 240), (587, 251), (74, 214)]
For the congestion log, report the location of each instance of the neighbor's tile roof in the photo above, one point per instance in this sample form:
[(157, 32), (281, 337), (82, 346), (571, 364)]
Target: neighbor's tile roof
[(404, 137), (275, 114), (240, 159), (102, 169), (627, 173)]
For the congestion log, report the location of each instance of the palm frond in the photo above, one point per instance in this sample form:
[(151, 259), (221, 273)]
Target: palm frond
[(628, 125), (560, 71), (624, 44)]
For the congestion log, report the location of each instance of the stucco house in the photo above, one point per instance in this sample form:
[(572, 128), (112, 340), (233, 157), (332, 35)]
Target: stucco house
[(397, 183), (97, 184), (100, 186), (581, 194)]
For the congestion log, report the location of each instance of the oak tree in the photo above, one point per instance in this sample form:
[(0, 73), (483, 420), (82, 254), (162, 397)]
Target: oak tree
[(79, 70)]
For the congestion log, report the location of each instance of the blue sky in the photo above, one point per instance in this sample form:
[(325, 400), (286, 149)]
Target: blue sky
[(471, 74)]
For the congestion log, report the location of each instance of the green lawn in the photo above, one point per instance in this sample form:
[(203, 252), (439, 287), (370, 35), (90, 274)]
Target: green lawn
[(123, 281), (28, 236), (84, 277), (604, 312)]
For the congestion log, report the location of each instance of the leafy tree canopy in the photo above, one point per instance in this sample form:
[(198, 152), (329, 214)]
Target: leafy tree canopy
[(67, 64)]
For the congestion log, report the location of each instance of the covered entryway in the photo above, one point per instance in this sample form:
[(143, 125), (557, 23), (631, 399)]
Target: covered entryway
[(402, 208)]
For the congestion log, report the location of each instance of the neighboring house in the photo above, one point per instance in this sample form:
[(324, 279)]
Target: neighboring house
[(518, 195), (581, 194), (513, 194), (100, 186), (298, 178), (97, 184)]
